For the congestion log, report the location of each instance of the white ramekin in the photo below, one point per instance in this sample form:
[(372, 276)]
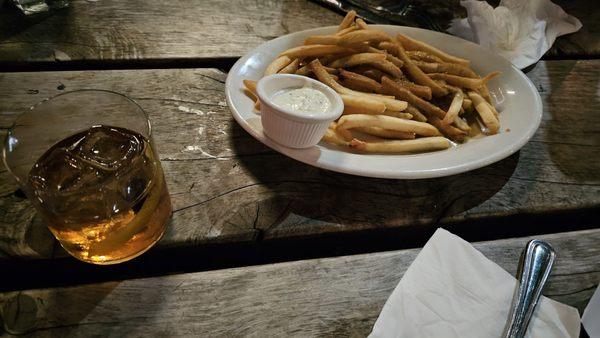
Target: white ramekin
[(290, 128)]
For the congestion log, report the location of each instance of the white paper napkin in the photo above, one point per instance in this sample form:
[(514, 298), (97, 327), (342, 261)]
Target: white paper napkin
[(453, 290), (591, 315), (522, 31)]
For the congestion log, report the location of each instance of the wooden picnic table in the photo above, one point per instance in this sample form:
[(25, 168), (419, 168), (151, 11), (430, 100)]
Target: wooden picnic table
[(239, 204), (333, 297)]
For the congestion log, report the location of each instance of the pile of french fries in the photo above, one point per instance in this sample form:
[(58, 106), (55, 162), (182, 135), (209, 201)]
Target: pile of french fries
[(400, 95)]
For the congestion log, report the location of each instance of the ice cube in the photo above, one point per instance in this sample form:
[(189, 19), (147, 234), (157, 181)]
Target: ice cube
[(137, 179), (93, 176), (56, 172), (107, 149)]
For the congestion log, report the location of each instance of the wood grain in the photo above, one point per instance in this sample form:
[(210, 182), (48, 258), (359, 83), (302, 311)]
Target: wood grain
[(154, 30), (97, 32), (325, 297), (227, 187)]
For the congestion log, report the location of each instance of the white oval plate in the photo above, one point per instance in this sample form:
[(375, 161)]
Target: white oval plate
[(516, 98)]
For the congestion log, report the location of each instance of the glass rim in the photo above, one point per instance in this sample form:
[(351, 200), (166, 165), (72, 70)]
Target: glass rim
[(35, 105)]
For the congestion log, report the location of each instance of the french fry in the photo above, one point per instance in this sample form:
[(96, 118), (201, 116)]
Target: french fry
[(450, 88), (251, 90), (486, 114), (361, 24), (465, 82), (305, 70), (398, 114), (363, 35), (251, 86), (364, 48), (394, 60), (450, 68), (385, 133), (327, 59), (485, 93), (291, 68), (454, 109), (387, 122), (493, 109), (452, 132), (391, 87), (417, 74), (320, 72), (423, 56), (346, 30), (418, 90), (327, 79), (416, 114), (353, 86), (361, 105), (313, 51), (456, 69), (334, 138), (344, 133), (277, 65), (375, 74), (461, 124), (427, 67), (359, 82), (402, 146), (357, 59), (322, 40), (467, 104), (368, 71), (412, 44), (388, 67), (391, 103), (347, 21)]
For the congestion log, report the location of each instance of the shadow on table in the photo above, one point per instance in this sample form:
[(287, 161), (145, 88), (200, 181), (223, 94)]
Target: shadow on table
[(571, 130), (23, 314), (308, 200), (18, 33)]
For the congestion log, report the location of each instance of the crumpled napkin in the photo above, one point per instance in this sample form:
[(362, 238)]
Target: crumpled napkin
[(521, 31), (591, 315), (452, 290)]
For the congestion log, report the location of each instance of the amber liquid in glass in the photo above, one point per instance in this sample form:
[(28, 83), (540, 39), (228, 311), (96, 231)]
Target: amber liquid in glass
[(103, 194)]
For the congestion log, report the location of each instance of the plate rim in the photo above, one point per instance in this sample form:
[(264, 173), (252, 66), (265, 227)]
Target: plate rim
[(297, 154)]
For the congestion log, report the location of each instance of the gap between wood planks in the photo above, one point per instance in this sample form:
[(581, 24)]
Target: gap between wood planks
[(33, 274), (223, 64)]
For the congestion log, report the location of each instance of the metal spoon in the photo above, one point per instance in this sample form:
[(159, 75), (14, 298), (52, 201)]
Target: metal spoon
[(534, 268)]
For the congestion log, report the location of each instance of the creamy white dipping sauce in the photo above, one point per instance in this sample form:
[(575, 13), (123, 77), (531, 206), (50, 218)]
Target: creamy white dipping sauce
[(303, 100)]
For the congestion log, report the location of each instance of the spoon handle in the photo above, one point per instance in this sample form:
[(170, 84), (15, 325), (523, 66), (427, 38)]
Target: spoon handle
[(534, 268)]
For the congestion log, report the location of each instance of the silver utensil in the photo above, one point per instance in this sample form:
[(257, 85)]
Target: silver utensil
[(534, 269), (29, 7), (392, 12)]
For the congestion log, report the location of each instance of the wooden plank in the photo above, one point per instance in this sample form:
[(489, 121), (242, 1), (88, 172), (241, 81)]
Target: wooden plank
[(154, 30), (227, 187), (338, 297)]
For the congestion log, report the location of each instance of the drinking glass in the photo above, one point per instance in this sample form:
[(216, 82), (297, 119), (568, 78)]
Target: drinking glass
[(87, 162)]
